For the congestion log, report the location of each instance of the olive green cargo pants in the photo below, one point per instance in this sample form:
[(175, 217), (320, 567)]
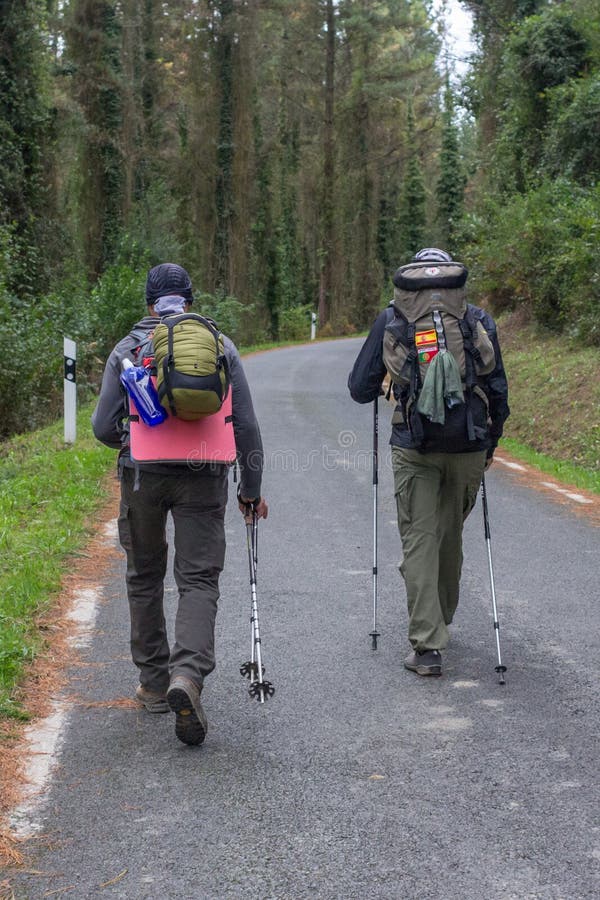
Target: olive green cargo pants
[(435, 492), (196, 501)]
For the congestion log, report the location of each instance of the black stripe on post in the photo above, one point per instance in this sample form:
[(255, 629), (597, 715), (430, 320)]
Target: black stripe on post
[(70, 369)]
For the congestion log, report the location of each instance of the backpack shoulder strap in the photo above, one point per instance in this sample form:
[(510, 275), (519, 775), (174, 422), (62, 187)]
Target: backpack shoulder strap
[(140, 338), (468, 327)]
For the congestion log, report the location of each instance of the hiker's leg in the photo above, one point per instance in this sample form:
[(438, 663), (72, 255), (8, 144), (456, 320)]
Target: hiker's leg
[(142, 519), (417, 478), (461, 480), (198, 514)]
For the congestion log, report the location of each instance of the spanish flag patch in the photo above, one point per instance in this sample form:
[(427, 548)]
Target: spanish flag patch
[(425, 337), (427, 347)]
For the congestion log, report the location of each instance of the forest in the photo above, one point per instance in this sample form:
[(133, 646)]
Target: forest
[(290, 154)]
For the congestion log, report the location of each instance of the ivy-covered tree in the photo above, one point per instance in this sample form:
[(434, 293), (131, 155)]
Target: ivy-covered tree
[(94, 47), (223, 32), (24, 135)]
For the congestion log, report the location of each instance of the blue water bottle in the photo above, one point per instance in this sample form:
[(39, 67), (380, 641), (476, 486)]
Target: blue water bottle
[(138, 384)]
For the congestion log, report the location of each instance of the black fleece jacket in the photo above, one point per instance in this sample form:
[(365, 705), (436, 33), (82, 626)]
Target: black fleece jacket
[(364, 381)]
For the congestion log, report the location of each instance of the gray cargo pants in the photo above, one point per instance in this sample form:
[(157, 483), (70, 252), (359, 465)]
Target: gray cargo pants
[(435, 492), (196, 501)]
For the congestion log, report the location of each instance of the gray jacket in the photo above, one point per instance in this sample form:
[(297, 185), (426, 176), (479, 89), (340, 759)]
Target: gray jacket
[(111, 427)]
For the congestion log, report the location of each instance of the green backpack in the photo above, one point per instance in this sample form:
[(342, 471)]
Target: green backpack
[(432, 318), (192, 374)]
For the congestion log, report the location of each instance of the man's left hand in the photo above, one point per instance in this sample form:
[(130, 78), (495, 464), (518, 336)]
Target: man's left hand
[(260, 507)]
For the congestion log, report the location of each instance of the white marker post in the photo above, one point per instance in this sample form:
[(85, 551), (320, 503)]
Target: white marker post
[(70, 382), (313, 326)]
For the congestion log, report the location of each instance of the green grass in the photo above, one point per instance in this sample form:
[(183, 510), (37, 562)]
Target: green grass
[(554, 397), (48, 495), (562, 470)]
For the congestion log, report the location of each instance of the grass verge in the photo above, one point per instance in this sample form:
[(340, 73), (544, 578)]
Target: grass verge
[(554, 396), (48, 495), (562, 470)]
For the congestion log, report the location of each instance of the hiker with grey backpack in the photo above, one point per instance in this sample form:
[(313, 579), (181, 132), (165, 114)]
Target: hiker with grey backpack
[(177, 462), (447, 378)]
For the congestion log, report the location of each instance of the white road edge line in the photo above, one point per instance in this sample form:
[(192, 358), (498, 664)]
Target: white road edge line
[(511, 465), (43, 740), (579, 498)]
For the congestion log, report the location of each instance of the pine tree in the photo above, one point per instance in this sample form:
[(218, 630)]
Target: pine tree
[(452, 180)]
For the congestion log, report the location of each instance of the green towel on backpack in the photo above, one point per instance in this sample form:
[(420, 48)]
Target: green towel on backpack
[(442, 387)]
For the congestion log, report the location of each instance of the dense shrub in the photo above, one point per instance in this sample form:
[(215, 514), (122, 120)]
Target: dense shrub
[(233, 318), (549, 48), (294, 323), (31, 341), (541, 249), (572, 145)]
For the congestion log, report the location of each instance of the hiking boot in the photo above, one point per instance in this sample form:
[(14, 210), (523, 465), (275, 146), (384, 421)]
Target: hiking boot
[(425, 662), (183, 697), (153, 702)]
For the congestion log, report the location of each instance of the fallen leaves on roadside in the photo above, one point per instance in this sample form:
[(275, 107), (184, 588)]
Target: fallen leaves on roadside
[(115, 879), (6, 892), (10, 854)]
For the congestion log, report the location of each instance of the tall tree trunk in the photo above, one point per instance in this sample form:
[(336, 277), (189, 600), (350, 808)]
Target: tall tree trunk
[(225, 145), (326, 275), (94, 43), (130, 133)]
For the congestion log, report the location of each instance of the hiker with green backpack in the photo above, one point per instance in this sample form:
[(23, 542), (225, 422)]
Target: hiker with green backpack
[(447, 378), (197, 372)]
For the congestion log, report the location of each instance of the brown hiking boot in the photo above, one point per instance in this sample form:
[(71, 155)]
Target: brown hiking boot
[(426, 662), (191, 723), (153, 702)]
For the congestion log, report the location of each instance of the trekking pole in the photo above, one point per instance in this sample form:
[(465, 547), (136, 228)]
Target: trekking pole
[(254, 669), (500, 669), (375, 633)]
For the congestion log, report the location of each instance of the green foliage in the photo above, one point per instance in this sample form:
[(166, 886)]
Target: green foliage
[(533, 228), (544, 52), (540, 250), (31, 341), (548, 49), (572, 145), (234, 319), (115, 303)]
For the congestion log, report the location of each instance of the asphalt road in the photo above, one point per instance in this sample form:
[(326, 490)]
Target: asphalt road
[(358, 779)]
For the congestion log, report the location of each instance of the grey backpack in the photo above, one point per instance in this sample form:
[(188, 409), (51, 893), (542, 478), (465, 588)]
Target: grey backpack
[(431, 317)]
